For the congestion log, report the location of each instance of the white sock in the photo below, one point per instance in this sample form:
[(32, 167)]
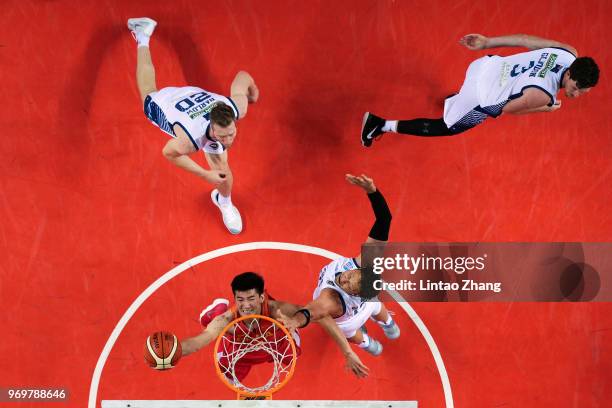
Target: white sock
[(387, 323), (366, 341), (225, 201), (390, 126), (142, 39)]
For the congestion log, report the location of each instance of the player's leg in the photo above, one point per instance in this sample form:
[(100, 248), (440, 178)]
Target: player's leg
[(373, 126), (386, 322), (220, 162), (141, 29), (461, 112), (420, 127), (365, 342), (145, 73), (354, 330), (221, 196)]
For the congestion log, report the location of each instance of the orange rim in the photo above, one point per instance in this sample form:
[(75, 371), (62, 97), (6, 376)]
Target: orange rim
[(277, 387)]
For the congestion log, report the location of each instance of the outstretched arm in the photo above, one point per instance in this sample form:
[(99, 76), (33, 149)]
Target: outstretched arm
[(177, 151), (321, 310), (380, 229), (328, 304), (212, 331), (243, 92), (279, 308), (352, 362), (481, 42)]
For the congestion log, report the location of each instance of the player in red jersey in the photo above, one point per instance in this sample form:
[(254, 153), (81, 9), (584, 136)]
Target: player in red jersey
[(250, 299)]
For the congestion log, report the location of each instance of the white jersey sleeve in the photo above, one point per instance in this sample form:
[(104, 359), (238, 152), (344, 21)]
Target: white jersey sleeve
[(351, 305), (189, 107)]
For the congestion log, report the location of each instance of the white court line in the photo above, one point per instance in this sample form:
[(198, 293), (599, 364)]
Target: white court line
[(250, 246)]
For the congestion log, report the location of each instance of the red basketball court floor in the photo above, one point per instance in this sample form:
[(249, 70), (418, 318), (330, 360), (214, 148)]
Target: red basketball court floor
[(92, 213)]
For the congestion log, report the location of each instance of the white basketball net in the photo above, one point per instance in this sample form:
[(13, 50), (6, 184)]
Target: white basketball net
[(256, 335)]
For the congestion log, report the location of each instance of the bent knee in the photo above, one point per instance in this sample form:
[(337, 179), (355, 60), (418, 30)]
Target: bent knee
[(356, 338)]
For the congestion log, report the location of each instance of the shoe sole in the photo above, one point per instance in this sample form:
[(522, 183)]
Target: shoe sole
[(380, 352), (132, 22), (212, 197), (364, 142), (214, 304), (394, 337)]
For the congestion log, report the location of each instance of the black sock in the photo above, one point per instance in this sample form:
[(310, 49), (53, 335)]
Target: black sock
[(424, 127)]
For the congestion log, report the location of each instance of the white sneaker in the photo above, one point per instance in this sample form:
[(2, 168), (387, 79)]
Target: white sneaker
[(374, 348), (231, 216), (145, 25), (392, 330)]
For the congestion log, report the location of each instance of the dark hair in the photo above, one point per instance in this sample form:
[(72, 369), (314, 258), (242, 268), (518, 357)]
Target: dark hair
[(366, 286), (585, 72), (222, 115), (247, 281)]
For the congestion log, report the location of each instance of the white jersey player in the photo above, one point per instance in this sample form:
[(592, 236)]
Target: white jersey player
[(522, 83), (188, 107), (492, 82), (355, 310), (196, 120), (345, 293)]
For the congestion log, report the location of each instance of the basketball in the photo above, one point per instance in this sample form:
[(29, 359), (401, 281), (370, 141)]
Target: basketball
[(162, 350)]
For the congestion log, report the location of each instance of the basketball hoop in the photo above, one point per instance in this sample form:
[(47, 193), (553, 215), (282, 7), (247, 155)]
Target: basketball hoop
[(255, 335)]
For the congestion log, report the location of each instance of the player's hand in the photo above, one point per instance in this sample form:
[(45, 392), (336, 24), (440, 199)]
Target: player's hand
[(354, 364), (362, 181), (474, 41), (290, 323), (253, 93), (556, 105), (216, 177)]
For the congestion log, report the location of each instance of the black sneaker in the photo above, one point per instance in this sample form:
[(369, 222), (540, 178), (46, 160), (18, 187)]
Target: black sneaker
[(371, 128)]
